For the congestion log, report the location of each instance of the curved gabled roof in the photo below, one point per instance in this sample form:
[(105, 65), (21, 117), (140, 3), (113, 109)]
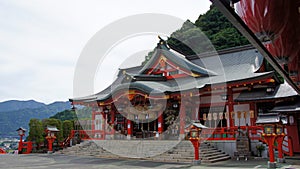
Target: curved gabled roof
[(176, 58), (238, 66)]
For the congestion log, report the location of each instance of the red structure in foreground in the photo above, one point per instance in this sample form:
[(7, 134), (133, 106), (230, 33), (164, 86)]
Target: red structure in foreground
[(21, 133), (50, 130), (24, 147), (279, 139), (195, 130), (2, 151), (269, 137)]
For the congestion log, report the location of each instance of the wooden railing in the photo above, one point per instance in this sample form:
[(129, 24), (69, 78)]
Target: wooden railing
[(26, 147), (230, 133)]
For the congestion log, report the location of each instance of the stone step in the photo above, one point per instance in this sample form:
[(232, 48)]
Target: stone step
[(210, 154), (182, 152), (214, 157), (209, 151)]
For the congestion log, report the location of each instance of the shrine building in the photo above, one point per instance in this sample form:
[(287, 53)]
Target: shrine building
[(222, 90)]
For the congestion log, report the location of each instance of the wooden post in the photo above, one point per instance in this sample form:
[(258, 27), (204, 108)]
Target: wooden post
[(104, 124), (280, 139), (182, 115), (230, 106), (93, 120), (252, 114), (129, 129), (50, 146), (20, 144), (113, 121), (160, 123)]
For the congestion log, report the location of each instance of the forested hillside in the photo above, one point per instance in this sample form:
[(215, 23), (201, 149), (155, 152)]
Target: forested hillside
[(20, 115), (211, 31)]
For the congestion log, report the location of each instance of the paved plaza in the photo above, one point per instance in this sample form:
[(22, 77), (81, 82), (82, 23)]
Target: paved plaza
[(47, 161)]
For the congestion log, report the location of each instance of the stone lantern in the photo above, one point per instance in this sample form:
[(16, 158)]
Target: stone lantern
[(21, 132), (195, 129), (51, 130)]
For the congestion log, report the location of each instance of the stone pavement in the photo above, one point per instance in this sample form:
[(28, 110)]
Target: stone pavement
[(47, 161)]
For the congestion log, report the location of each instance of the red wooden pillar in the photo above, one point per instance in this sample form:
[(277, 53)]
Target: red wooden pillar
[(196, 144), (160, 123), (252, 114), (279, 146), (129, 129), (269, 139), (50, 143), (20, 144), (182, 115), (104, 124), (113, 121), (230, 106), (93, 120)]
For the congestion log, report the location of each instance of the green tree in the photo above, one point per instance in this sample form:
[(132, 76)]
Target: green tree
[(36, 131), (65, 115), (210, 31), (67, 127)]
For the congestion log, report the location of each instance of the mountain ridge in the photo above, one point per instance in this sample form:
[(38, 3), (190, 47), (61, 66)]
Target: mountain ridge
[(20, 115)]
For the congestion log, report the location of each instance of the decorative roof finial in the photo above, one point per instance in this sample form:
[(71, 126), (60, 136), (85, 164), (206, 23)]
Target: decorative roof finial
[(162, 42), (160, 38)]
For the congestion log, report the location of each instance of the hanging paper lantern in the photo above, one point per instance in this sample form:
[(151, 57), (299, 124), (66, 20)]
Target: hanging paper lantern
[(245, 114), (239, 114), (215, 116), (251, 114), (209, 116)]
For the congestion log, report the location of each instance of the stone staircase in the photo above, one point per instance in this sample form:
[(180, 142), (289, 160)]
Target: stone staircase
[(87, 148), (210, 154), (154, 150)]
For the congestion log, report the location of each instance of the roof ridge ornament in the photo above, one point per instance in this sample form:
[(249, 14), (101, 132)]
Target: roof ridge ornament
[(162, 42)]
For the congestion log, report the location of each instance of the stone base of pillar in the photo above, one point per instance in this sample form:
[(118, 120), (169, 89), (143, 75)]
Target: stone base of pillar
[(196, 162), (49, 152), (271, 164), (128, 137), (281, 160)]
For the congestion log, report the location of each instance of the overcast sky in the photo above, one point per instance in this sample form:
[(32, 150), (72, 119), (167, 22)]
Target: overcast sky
[(41, 40)]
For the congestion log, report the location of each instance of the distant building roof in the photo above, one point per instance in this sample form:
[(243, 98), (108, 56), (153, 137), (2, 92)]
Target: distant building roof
[(52, 128), (281, 91), (21, 128), (271, 118), (293, 107)]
